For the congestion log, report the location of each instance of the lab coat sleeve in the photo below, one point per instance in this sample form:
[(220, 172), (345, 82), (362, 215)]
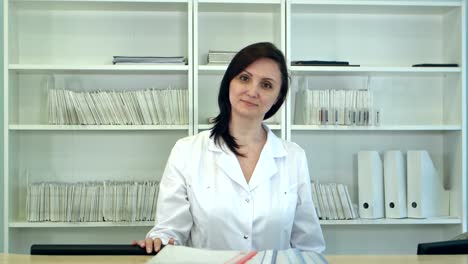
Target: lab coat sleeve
[(173, 216), (306, 231)]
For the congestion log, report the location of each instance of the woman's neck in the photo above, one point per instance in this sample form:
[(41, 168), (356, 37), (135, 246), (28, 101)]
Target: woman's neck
[(247, 132)]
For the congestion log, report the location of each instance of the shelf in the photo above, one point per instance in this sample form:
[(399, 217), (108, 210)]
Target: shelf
[(93, 68), (208, 126), (369, 69), (378, 3), (222, 68), (406, 221), (341, 69), (241, 1), (388, 221), (97, 127), (374, 128), (239, 6), (105, 1), (106, 6), (79, 224), (375, 7)]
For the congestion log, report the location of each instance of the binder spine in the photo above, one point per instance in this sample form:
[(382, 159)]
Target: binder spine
[(426, 194), (370, 182), (395, 184)]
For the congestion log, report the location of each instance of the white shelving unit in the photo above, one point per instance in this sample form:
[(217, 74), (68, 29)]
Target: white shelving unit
[(421, 108), (231, 25), (74, 41)]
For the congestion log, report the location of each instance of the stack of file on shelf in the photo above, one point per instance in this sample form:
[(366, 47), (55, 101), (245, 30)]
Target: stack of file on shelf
[(332, 202), (335, 107), (91, 201), (400, 187), (220, 57), (182, 254), (148, 60), (321, 63), (144, 107)]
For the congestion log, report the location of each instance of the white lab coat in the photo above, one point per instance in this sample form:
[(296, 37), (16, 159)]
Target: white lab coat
[(205, 202)]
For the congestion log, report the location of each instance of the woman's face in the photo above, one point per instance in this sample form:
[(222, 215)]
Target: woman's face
[(255, 90)]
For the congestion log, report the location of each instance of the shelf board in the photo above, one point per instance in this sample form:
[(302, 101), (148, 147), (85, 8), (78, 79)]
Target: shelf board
[(377, 128), (297, 69), (447, 3), (98, 127), (105, 1), (405, 221), (241, 1), (366, 7), (67, 67), (208, 126), (369, 69), (80, 224), (388, 221)]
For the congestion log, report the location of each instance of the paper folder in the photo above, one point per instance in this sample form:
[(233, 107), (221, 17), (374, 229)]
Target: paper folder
[(426, 194), (370, 183), (395, 184)]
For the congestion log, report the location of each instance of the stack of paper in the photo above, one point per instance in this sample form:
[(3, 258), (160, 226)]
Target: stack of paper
[(148, 60), (332, 202), (220, 57), (144, 107), (335, 107), (182, 255), (91, 201)]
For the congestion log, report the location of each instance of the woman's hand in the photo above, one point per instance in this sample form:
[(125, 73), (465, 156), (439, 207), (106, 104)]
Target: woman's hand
[(151, 244)]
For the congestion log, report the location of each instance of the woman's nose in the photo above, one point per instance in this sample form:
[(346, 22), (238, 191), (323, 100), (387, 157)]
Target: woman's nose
[(252, 90)]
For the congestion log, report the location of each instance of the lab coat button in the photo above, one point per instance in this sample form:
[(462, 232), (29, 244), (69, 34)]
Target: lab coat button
[(246, 236), (247, 200)]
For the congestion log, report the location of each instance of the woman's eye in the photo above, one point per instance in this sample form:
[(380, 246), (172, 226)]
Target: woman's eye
[(244, 78), (266, 85)]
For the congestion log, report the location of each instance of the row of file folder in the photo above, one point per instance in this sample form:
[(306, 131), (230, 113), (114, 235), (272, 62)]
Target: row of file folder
[(336, 107), (400, 187), (141, 107), (91, 201), (332, 201)]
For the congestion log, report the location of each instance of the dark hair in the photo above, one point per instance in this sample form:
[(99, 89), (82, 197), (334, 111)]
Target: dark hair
[(242, 60)]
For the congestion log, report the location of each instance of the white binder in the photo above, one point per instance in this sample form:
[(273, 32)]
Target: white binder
[(426, 194), (370, 183), (395, 184)]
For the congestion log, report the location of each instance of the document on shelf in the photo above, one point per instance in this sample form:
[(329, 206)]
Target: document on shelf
[(149, 60), (181, 254), (426, 196)]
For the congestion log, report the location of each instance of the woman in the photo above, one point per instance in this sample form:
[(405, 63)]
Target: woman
[(239, 186)]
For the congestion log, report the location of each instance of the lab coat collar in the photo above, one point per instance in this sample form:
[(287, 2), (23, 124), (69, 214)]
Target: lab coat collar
[(273, 142), (266, 165)]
